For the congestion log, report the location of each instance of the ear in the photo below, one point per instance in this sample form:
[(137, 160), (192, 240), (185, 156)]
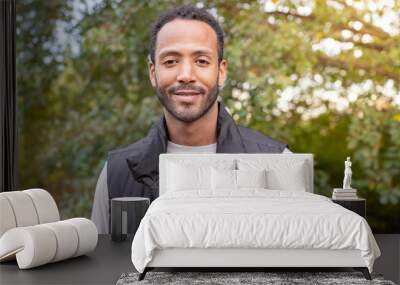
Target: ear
[(152, 74), (222, 70)]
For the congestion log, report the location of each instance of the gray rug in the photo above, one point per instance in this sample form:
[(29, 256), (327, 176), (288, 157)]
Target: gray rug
[(230, 278)]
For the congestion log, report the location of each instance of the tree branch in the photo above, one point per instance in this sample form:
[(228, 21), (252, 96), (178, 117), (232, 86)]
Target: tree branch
[(367, 25), (378, 69)]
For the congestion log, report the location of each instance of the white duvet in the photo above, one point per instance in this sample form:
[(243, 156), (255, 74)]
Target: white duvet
[(250, 219)]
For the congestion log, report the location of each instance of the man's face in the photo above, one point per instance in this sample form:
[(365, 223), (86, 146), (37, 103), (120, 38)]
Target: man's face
[(186, 73)]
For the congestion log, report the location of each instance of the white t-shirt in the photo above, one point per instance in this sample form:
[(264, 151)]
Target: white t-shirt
[(178, 148)]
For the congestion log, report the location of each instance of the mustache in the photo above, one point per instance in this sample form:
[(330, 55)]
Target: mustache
[(191, 87)]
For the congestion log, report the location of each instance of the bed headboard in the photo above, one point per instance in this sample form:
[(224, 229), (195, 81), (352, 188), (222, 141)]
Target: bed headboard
[(288, 164)]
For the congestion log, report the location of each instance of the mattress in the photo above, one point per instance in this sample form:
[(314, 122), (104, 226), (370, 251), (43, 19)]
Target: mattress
[(251, 219)]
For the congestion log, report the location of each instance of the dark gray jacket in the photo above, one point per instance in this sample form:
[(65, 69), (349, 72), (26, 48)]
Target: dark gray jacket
[(133, 171)]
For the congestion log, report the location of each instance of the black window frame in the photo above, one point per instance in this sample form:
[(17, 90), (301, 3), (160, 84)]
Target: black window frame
[(8, 99)]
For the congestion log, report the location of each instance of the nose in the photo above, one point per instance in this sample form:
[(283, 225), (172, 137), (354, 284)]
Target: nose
[(185, 73)]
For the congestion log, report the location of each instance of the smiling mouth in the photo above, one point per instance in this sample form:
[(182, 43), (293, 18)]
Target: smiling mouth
[(187, 97), (186, 93)]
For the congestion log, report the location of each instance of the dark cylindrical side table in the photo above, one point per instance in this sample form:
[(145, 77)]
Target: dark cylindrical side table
[(126, 214)]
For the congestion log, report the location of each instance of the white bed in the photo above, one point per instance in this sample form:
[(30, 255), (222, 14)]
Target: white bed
[(227, 217)]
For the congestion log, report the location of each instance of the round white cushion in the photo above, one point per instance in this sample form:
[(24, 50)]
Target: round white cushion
[(26, 208), (46, 207), (67, 240), (33, 246), (87, 233), (7, 220), (23, 208), (40, 244)]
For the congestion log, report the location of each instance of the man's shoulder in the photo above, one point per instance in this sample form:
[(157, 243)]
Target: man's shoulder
[(264, 142)]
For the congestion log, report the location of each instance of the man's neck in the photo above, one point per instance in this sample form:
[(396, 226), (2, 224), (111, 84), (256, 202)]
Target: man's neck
[(200, 132)]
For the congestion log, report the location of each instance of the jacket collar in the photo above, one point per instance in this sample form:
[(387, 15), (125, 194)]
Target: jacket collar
[(144, 163)]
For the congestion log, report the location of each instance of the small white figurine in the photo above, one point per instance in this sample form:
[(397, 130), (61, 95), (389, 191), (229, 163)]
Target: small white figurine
[(347, 174)]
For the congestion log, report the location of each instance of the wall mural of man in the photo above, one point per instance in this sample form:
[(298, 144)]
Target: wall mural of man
[(187, 70)]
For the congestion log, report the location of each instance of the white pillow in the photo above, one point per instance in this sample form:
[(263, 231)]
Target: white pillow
[(228, 179), (223, 179), (282, 174), (291, 181), (182, 177), (251, 178)]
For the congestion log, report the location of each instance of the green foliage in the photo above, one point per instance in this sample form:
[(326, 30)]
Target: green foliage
[(39, 57), (76, 106)]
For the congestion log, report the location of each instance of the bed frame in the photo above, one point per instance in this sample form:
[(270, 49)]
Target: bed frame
[(242, 259)]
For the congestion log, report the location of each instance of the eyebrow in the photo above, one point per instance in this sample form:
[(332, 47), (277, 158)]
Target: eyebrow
[(175, 52)]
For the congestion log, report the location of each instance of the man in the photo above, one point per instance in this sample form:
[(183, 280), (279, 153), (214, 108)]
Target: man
[(187, 70)]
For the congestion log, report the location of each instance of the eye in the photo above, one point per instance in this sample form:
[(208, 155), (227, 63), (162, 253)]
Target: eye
[(170, 62), (202, 62)]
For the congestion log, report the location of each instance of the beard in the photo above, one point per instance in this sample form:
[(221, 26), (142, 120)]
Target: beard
[(187, 116)]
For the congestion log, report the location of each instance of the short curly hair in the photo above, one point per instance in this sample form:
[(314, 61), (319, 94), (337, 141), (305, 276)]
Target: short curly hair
[(185, 12)]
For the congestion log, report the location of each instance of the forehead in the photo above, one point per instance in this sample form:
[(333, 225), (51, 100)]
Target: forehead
[(186, 34)]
